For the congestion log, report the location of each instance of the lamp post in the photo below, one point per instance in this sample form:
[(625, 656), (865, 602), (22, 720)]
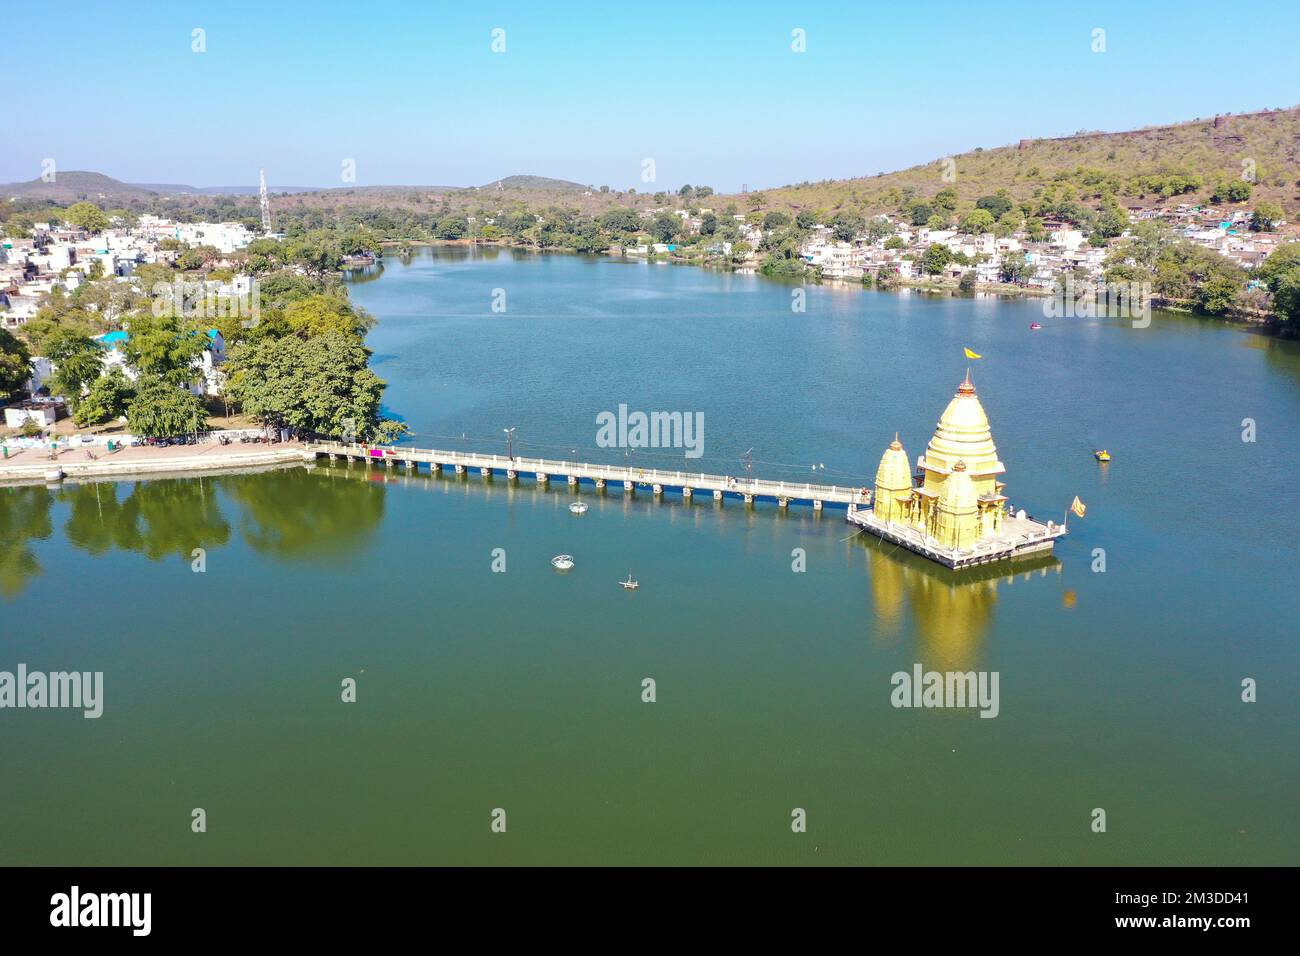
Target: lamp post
[(510, 442)]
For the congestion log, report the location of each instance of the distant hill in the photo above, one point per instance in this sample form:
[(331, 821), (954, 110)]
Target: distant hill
[(75, 185), (1223, 146), (71, 186), (536, 182)]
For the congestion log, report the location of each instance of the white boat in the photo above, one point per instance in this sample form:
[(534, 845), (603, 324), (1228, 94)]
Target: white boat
[(562, 562), (629, 584), (578, 507)]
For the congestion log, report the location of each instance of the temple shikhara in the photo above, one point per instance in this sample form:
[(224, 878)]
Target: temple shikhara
[(952, 510)]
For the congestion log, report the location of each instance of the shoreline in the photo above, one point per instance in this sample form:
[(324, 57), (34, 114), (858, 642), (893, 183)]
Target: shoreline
[(1268, 324), (152, 462)]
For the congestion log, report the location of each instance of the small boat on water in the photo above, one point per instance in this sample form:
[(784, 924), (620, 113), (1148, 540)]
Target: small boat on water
[(562, 562), (1101, 455), (1034, 326), (578, 507), (629, 584)]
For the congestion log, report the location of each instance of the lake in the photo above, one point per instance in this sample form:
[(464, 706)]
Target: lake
[(477, 690)]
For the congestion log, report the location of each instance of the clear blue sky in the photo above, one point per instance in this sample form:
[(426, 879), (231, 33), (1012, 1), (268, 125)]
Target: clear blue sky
[(712, 92)]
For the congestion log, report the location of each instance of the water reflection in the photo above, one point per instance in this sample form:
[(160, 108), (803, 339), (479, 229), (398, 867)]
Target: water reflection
[(24, 517), (295, 515), (302, 513), (951, 612)]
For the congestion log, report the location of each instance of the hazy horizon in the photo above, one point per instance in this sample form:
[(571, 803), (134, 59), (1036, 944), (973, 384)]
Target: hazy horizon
[(414, 95)]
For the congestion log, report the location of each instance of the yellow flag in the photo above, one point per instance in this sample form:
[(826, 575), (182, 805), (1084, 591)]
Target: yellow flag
[(1078, 507), (970, 354)]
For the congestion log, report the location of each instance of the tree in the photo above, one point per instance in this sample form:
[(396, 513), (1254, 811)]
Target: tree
[(1015, 267), (1266, 215), (451, 227), (977, 222), (921, 213), (998, 205), (665, 227), (621, 220), (945, 201), (86, 215), (1217, 295), (317, 251), (936, 257), (318, 314), (163, 347), (321, 384), (109, 397), (1280, 272), (805, 219), (708, 224), (162, 410), (776, 220), (1231, 190), (78, 360), (967, 281), (847, 226), (14, 365)]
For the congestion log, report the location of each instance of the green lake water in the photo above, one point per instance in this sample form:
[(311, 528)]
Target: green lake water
[(522, 690)]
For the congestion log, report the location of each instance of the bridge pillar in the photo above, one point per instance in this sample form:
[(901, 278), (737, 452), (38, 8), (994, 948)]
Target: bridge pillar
[(333, 457), (388, 462), (749, 499), (628, 486), (817, 504), (783, 502), (717, 494), (485, 471), (542, 478), (600, 484), (435, 467), (460, 469), (512, 475), (687, 494), (572, 480), (659, 489), (409, 463)]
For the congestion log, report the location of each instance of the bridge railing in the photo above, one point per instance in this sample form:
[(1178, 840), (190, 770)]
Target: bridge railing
[(733, 483)]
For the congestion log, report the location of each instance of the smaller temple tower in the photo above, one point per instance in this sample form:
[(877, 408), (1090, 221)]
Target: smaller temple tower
[(893, 497)]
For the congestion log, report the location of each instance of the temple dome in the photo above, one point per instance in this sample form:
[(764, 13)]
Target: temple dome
[(894, 473), (959, 496), (963, 435)]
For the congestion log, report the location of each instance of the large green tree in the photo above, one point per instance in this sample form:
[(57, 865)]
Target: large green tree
[(160, 409), (14, 364), (86, 215), (322, 384), (109, 397), (78, 360)]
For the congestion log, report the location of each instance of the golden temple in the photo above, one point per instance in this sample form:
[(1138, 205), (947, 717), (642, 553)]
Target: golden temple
[(953, 511)]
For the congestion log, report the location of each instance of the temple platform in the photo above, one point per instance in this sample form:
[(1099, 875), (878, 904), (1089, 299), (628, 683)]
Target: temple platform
[(1018, 537)]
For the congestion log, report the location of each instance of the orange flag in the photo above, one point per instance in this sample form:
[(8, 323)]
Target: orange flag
[(1078, 507)]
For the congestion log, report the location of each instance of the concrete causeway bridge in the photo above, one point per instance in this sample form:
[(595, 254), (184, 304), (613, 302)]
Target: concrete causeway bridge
[(543, 470)]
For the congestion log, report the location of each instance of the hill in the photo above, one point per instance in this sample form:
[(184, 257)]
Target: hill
[(542, 183), (74, 185), (1142, 167)]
